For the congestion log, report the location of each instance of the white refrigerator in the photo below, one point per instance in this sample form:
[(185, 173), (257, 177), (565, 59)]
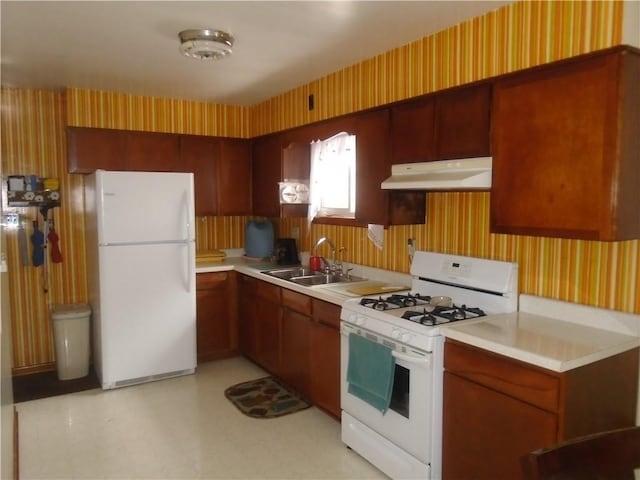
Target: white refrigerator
[(141, 275)]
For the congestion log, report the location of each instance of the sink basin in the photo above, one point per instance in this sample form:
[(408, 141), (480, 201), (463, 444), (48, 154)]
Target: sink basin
[(306, 277), (324, 279), (290, 272), (317, 279)]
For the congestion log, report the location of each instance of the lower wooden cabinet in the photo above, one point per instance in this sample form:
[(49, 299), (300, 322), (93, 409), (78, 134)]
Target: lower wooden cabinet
[(293, 336), (247, 331), (310, 356), (296, 331), (497, 409), (216, 315), (268, 326), (476, 445), (260, 322), (324, 357)]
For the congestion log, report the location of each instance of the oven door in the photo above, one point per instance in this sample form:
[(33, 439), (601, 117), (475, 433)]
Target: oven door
[(407, 423)]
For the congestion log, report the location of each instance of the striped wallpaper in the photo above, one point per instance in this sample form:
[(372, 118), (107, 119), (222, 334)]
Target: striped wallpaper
[(517, 36), (33, 142), (90, 108)]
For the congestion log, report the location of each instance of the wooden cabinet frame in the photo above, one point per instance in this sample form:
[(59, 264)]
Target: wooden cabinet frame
[(216, 315), (512, 407), (566, 159), (299, 333)]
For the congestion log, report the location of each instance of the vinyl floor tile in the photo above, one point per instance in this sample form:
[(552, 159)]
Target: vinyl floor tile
[(180, 428)]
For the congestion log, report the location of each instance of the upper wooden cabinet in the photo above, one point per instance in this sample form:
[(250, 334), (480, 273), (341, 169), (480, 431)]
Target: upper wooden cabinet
[(266, 171), (412, 131), (221, 166), (221, 173), (287, 155), (198, 154), (374, 205), (234, 177), (451, 124), (462, 122), (90, 149), (296, 165), (566, 149), (152, 152)]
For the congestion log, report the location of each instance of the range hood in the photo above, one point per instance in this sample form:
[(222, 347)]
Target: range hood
[(461, 174)]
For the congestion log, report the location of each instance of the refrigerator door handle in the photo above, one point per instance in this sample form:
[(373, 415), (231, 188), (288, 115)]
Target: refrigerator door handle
[(191, 266), (187, 218), (190, 243)]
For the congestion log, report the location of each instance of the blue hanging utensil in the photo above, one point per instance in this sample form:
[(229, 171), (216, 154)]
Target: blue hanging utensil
[(37, 239)]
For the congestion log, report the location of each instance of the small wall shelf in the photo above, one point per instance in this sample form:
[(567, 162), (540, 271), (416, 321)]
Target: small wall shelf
[(38, 198)]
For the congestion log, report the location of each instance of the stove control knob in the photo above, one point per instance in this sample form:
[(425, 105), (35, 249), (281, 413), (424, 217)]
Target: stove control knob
[(358, 320), (405, 337), (395, 333)]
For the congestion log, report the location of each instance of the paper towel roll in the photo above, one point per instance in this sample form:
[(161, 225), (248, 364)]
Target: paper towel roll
[(376, 235)]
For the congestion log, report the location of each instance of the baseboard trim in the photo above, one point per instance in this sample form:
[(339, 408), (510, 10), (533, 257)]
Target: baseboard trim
[(43, 367)]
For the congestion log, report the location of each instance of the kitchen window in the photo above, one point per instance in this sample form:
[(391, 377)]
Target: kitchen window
[(333, 177)]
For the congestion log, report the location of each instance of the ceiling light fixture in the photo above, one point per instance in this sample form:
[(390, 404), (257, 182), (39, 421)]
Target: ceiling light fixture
[(205, 44)]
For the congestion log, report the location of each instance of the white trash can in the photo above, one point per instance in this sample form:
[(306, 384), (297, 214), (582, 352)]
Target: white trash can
[(71, 338)]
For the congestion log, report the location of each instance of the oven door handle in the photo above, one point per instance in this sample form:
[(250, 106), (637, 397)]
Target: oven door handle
[(422, 361)]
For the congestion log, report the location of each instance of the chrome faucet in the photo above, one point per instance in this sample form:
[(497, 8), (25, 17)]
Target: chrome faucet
[(322, 240), (344, 272)]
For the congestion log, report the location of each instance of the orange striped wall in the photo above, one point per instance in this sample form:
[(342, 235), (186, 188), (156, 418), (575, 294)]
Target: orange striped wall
[(517, 36), (33, 142), (90, 108)]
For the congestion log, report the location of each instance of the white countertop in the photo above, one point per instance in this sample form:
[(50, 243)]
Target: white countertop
[(335, 293), (558, 344), (556, 335)]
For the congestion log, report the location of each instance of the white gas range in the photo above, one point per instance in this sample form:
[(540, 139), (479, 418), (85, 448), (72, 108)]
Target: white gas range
[(405, 440)]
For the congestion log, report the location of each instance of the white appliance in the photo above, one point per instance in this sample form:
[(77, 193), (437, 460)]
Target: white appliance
[(460, 174), (141, 275), (406, 440)]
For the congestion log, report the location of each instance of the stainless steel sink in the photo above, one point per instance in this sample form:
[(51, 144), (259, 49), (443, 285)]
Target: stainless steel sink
[(317, 279), (290, 272), (309, 278)]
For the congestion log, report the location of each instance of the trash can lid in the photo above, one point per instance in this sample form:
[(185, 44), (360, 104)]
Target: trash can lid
[(73, 310)]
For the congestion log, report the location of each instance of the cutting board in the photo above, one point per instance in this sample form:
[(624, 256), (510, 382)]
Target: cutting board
[(208, 256), (376, 289)]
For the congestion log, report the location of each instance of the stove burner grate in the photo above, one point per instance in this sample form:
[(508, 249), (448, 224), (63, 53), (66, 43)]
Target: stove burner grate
[(395, 301), (440, 315), (425, 313)]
